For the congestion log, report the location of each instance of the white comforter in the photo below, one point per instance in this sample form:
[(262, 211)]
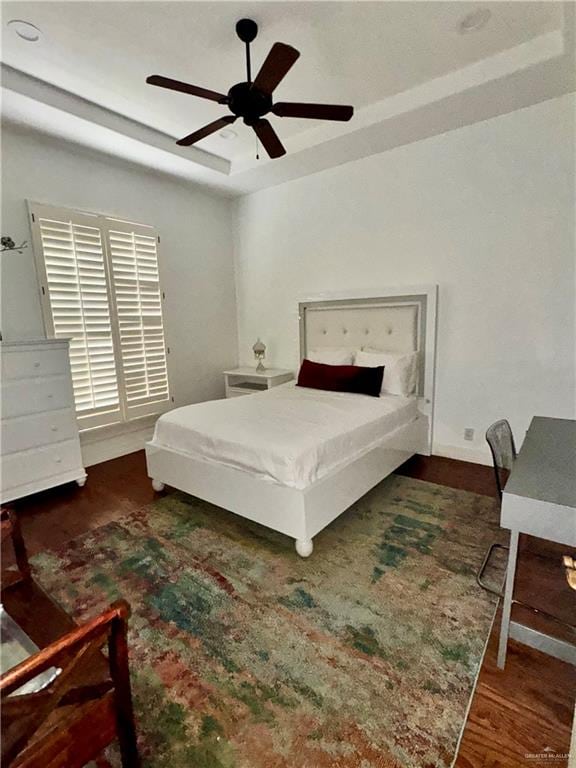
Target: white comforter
[(290, 435)]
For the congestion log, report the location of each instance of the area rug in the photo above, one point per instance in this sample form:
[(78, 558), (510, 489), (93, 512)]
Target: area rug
[(244, 655)]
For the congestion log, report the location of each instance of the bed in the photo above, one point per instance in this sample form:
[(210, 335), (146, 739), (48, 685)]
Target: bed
[(294, 458)]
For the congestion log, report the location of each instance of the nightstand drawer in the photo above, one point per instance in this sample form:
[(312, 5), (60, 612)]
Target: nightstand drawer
[(233, 392)]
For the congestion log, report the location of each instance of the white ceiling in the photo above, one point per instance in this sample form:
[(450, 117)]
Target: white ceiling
[(368, 54)]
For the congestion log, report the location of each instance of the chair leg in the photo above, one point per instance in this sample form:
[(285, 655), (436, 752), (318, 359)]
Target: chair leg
[(480, 572), (128, 746), (11, 527), (125, 726)]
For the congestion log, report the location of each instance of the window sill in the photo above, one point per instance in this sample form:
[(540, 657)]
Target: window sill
[(96, 434)]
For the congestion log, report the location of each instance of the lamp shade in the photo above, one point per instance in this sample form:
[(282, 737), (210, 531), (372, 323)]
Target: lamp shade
[(259, 348)]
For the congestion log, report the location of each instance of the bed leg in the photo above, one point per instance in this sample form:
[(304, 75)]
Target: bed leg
[(158, 485), (304, 547)]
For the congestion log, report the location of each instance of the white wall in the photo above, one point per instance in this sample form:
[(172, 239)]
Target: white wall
[(196, 264), (487, 212)]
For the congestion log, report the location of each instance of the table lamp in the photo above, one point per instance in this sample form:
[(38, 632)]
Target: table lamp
[(259, 350)]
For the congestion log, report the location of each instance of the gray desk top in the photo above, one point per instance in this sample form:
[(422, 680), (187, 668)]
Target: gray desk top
[(546, 465)]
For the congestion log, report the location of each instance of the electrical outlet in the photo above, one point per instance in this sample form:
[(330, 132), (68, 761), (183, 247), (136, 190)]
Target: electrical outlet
[(468, 433)]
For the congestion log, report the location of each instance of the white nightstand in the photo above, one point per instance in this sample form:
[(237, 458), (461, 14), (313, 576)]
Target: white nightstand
[(247, 381)]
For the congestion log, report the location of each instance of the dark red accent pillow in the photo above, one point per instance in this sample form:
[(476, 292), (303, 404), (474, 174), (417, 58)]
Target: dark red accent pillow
[(341, 378)]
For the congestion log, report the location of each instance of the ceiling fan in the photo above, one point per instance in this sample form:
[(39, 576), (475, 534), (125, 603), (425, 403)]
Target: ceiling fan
[(251, 100)]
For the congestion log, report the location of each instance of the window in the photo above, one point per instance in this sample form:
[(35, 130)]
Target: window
[(100, 286)]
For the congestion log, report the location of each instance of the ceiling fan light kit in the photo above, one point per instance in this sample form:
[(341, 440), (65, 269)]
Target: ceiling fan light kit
[(251, 100)]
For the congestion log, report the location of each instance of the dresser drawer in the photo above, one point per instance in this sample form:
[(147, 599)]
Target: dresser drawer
[(21, 364), (26, 466), (34, 395), (25, 432)]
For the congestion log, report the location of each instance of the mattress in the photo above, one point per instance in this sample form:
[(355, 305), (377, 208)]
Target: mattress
[(289, 435)]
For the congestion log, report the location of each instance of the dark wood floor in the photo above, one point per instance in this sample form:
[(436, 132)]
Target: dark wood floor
[(515, 713)]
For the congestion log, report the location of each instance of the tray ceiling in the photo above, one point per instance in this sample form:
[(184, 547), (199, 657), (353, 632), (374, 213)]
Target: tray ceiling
[(369, 54)]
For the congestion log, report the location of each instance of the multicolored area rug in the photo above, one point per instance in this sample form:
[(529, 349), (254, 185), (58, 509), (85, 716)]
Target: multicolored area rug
[(244, 655)]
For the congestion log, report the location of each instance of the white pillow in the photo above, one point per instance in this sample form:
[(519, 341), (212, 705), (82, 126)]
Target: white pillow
[(400, 369), (331, 355)]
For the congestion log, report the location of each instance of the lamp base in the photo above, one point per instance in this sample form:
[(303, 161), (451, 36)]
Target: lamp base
[(260, 367)]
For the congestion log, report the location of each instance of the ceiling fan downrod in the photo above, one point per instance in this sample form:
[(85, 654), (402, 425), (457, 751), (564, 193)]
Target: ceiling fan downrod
[(246, 29)]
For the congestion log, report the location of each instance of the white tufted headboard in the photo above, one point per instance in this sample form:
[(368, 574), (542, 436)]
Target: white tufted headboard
[(393, 328), (394, 320)]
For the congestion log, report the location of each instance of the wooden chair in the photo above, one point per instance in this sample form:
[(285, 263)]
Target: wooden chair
[(86, 706)]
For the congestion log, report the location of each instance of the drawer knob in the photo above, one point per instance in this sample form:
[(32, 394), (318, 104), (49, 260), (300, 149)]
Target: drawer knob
[(58, 460), (36, 364), (54, 428), (50, 396)]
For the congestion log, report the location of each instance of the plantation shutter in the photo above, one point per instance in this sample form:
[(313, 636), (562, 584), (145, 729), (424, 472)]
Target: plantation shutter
[(138, 297), (76, 290), (100, 287)]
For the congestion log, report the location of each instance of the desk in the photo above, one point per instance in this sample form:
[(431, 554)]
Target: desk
[(540, 500)]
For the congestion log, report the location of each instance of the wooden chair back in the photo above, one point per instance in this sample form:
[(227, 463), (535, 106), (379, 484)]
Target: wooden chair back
[(46, 728)]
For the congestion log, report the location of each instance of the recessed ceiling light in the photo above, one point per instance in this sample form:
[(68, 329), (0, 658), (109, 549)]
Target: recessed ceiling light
[(228, 134), (474, 21), (25, 30)]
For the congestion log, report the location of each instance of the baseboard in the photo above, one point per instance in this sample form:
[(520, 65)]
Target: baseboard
[(475, 455), (95, 451)]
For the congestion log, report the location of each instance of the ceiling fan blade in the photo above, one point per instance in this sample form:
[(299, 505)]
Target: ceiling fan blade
[(269, 139), (276, 65), (201, 133), (315, 111), (193, 90)]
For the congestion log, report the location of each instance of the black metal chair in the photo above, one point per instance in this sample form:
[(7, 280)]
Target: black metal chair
[(501, 441)]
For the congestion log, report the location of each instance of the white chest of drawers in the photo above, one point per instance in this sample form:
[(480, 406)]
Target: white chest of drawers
[(39, 442)]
